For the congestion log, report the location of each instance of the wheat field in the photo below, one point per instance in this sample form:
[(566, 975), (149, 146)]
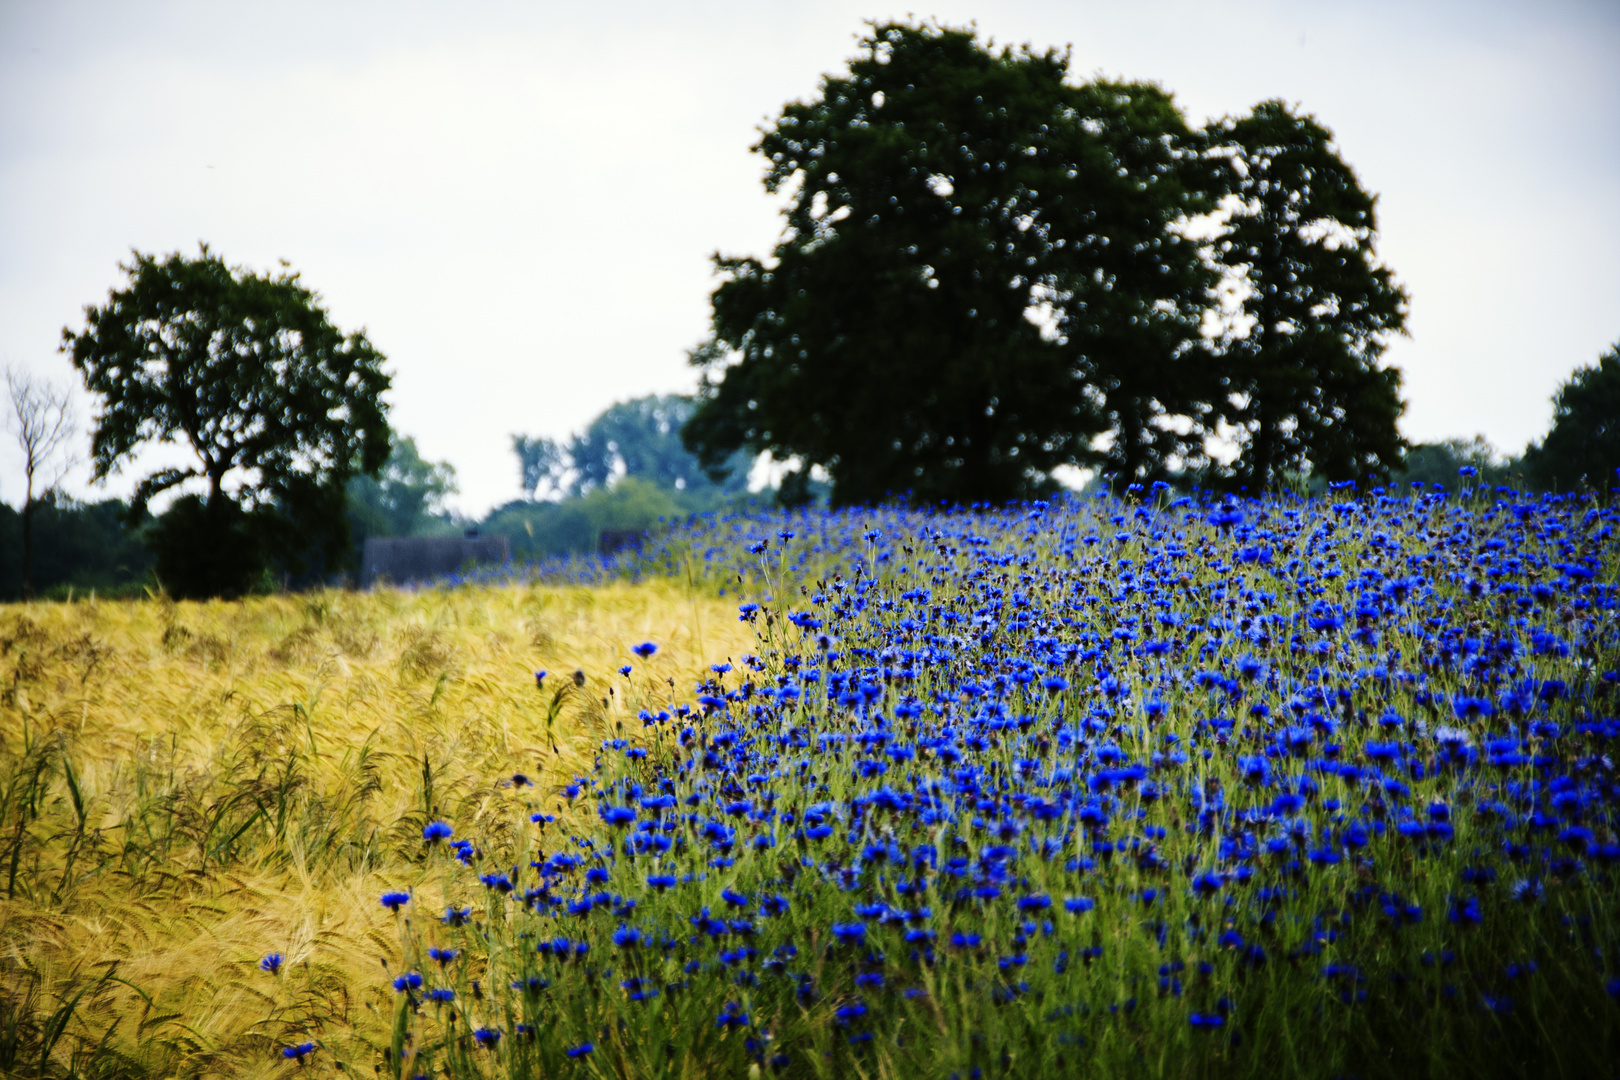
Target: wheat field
[(186, 788)]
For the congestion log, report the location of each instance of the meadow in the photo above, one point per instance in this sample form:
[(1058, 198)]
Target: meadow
[(1153, 787)]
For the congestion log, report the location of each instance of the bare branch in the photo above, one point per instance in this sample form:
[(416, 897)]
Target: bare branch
[(41, 418)]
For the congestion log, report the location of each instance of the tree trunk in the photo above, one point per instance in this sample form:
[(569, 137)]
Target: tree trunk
[(29, 507)]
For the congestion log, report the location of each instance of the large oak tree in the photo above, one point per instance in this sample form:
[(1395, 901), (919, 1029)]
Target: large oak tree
[(978, 277), (277, 406)]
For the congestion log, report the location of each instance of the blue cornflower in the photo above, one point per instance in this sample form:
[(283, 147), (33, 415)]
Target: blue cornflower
[(488, 1036), (661, 882), (436, 831), (850, 1013), (456, 916), (271, 963), (1207, 1021), (299, 1052), (1467, 913), (1079, 904), (441, 995), (393, 901), (408, 981), (731, 1016), (581, 1050), (1034, 902), (734, 898), (849, 933), (443, 956), (539, 678), (625, 670), (1206, 884), (645, 649)]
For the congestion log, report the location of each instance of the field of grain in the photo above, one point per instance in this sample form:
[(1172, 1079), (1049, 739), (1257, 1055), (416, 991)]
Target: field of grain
[(185, 788), (1172, 786)]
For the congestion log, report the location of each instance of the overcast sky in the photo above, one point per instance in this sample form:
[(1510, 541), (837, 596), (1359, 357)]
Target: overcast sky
[(518, 202)]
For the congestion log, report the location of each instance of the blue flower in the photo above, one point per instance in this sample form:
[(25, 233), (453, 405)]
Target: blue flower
[(299, 1052), (645, 649), (271, 963), (393, 901), (408, 981), (581, 1050), (440, 995), (849, 933), (617, 816), (436, 831), (487, 1036)]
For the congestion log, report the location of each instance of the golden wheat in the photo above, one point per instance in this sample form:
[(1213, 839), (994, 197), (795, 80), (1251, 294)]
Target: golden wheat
[(187, 787)]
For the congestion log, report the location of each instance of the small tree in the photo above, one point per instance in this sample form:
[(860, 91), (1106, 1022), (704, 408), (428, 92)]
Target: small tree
[(279, 407), (41, 418), (1583, 446)]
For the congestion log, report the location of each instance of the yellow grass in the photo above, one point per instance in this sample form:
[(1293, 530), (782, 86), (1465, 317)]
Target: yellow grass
[(187, 787)]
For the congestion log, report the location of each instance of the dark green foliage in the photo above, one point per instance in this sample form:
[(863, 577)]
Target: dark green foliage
[(988, 272), (1130, 289), (1583, 447), (886, 339), (197, 553), (1440, 464), (1304, 383), (82, 547), (405, 499), (279, 407)]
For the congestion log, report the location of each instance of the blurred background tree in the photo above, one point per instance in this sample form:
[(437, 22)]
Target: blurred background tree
[(406, 498), (624, 473), (1441, 464), (1583, 446), (278, 407)]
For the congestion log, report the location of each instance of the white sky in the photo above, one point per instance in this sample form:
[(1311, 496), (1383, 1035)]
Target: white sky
[(517, 202)]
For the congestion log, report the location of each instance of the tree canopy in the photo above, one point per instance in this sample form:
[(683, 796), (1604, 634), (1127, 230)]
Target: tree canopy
[(1583, 445), (988, 272), (1302, 377), (278, 407)]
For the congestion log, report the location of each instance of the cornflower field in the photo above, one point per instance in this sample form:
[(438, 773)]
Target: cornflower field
[(1156, 787)]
